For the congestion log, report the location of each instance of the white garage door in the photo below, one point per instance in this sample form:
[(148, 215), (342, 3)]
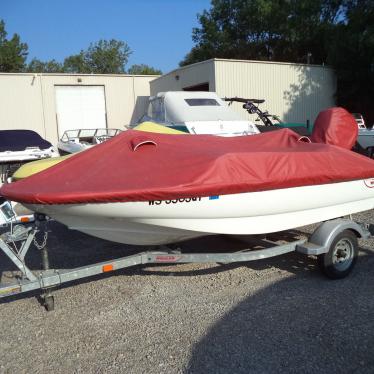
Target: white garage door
[(80, 107)]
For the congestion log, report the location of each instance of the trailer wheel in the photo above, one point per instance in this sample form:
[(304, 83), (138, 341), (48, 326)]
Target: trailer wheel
[(339, 261)]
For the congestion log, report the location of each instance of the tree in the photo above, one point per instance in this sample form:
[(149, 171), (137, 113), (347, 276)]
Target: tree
[(76, 64), (284, 30), (107, 56), (143, 69), (13, 53), (102, 57), (37, 66), (339, 32), (352, 56)]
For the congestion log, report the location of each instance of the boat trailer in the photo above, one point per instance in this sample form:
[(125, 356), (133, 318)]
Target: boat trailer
[(334, 243)]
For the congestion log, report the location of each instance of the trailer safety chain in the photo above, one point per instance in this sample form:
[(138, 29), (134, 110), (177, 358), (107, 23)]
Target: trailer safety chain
[(43, 243)]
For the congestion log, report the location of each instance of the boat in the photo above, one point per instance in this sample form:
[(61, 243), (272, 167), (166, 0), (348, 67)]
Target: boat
[(20, 146), (165, 188), (34, 167), (73, 141), (196, 112)]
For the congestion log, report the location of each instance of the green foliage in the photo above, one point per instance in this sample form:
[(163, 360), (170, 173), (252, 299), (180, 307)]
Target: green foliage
[(37, 66), (13, 53), (337, 32), (284, 30), (76, 64), (107, 56), (102, 57), (143, 69), (352, 55)]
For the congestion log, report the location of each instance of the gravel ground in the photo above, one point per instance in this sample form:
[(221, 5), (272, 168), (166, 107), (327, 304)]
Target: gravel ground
[(278, 315)]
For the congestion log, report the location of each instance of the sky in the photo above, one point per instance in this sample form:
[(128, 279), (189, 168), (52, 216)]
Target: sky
[(159, 32)]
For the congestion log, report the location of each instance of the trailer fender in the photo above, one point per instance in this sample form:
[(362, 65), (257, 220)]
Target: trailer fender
[(324, 235)]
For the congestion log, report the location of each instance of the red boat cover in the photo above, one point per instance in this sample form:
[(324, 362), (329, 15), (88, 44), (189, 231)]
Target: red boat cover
[(335, 126), (137, 166)]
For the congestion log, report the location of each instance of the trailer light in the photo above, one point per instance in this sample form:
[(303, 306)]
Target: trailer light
[(107, 268)]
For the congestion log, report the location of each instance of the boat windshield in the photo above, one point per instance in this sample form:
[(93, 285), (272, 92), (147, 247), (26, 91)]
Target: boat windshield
[(156, 110), (201, 102), (89, 133)]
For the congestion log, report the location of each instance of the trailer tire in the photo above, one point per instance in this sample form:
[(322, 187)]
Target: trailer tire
[(339, 261)]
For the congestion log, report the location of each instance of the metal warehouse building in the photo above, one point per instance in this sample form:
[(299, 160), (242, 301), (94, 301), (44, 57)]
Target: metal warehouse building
[(52, 103), (294, 92)]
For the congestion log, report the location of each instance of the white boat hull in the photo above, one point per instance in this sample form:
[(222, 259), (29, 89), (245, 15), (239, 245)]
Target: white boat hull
[(222, 128), (10, 161), (29, 154), (162, 222)]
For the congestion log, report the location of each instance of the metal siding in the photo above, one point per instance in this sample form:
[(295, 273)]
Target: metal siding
[(119, 97), (28, 100), (187, 76), (141, 93), (20, 104), (293, 92)]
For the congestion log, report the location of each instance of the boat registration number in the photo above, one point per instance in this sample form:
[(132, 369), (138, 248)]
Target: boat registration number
[(174, 201)]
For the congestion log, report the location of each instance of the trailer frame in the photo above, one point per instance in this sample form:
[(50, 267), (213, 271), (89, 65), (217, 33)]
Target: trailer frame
[(46, 279)]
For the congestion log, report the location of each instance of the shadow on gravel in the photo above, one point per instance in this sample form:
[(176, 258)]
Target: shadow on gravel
[(303, 324)]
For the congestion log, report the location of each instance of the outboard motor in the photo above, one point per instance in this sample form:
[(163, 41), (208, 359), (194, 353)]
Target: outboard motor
[(335, 126)]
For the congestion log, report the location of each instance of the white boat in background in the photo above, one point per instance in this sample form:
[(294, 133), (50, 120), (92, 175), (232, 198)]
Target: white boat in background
[(197, 113), (20, 146), (73, 141)]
